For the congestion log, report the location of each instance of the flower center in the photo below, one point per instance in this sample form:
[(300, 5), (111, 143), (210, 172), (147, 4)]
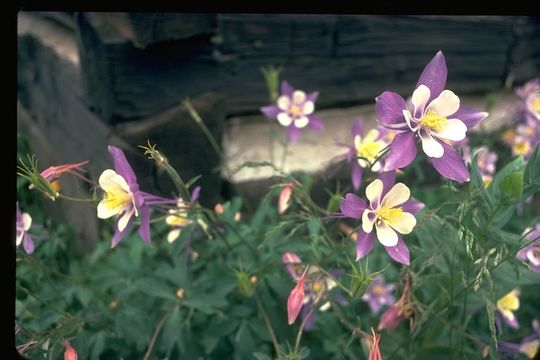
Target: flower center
[(433, 121), (389, 215), (369, 150), (508, 302), (535, 104), (378, 290), (117, 199), (295, 111), (521, 147)]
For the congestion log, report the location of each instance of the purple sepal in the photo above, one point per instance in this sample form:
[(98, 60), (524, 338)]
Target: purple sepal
[(450, 165), (434, 76), (402, 151), (389, 107), (364, 243), (352, 206), (400, 252), (271, 111)]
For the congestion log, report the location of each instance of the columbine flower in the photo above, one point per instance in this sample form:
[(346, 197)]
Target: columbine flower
[(374, 350), (296, 299), (317, 285), (24, 222), (178, 218), (69, 353), (285, 197), (403, 309), (506, 307), (531, 253), (390, 213), (435, 118), (530, 345), (294, 110), (124, 200), (379, 294), (530, 94), (364, 152)]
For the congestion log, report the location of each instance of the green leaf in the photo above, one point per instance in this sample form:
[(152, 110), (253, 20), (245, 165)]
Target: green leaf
[(512, 185), (532, 172)]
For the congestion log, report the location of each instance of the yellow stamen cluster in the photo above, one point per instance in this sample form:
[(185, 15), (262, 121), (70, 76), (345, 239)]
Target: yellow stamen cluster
[(369, 150), (433, 121), (295, 111), (389, 215), (378, 290), (117, 199), (535, 104), (521, 148)]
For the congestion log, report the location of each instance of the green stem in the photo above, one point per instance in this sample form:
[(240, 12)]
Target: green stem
[(157, 331), (268, 324)]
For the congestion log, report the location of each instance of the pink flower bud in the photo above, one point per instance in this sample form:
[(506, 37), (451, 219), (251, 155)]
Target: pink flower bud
[(69, 353), (296, 299), (285, 198), (391, 318), (219, 209)]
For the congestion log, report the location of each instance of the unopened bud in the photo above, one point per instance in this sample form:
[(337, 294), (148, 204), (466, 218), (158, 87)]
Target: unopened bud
[(69, 353), (180, 293), (253, 279)]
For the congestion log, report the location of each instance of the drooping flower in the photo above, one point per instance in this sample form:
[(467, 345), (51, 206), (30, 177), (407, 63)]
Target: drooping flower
[(317, 284), (390, 213), (294, 110), (285, 197), (364, 151), (296, 299), (124, 200), (531, 252), (69, 352), (24, 222), (401, 310), (435, 118), (506, 307), (529, 345), (379, 294), (374, 350)]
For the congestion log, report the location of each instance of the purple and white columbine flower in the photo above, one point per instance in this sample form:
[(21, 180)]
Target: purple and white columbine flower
[(294, 110), (124, 200), (531, 253), (364, 151), (379, 294), (530, 94), (436, 118), (316, 285), (390, 213), (530, 345), (24, 222)]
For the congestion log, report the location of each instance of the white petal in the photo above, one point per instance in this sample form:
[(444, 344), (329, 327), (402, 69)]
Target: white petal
[(104, 212), (431, 147), (413, 125), (308, 108), (301, 122), (376, 167), (173, 235), (109, 180), (397, 195), (367, 224), (284, 119), (325, 306), (386, 235), (454, 130), (124, 219), (299, 97), (406, 223), (371, 136), (446, 104), (357, 141), (374, 191), (27, 221), (283, 102), (363, 163), (420, 98), (20, 235)]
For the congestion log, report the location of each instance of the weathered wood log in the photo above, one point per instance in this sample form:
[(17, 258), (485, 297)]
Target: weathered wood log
[(349, 59)]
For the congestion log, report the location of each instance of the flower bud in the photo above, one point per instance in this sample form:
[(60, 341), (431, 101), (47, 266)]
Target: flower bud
[(296, 299), (69, 353)]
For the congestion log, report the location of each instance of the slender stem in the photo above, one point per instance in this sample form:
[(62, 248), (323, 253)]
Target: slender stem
[(347, 324), (195, 116), (284, 155), (66, 197), (157, 331), (268, 324)]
